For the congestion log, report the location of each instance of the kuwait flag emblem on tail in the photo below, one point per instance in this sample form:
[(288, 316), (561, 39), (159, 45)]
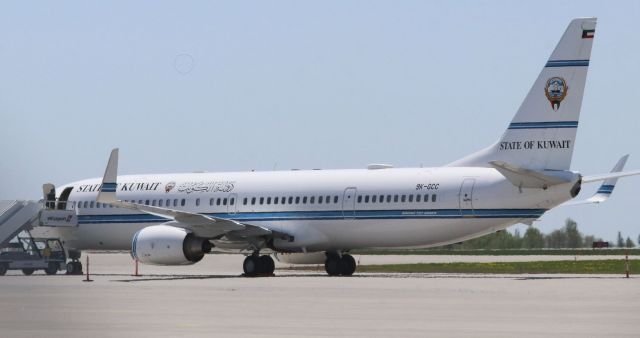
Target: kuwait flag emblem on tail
[(588, 33)]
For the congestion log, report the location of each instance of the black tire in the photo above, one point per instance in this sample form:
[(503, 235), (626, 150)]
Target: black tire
[(267, 264), (332, 265), (28, 271), (347, 265), (52, 269), (78, 268), (3, 269), (251, 266), (72, 268)]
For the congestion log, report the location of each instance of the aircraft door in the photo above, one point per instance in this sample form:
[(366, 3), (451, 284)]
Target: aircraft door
[(232, 203), (349, 203), (466, 196)]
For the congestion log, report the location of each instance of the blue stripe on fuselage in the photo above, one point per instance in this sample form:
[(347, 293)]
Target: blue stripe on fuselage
[(329, 215)]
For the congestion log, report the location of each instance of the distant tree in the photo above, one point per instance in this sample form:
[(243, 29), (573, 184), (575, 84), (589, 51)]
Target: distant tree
[(574, 237), (629, 243), (620, 242), (532, 239), (588, 240), (556, 239)]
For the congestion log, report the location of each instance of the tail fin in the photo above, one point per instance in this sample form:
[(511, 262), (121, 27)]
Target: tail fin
[(542, 134)]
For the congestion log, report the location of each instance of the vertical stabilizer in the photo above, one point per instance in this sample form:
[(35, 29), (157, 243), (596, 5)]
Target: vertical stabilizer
[(542, 134)]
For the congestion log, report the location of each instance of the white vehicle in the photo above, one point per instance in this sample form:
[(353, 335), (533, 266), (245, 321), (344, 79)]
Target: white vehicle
[(174, 219)]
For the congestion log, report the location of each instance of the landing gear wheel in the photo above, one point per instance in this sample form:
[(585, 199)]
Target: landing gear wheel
[(28, 271), (251, 266), (3, 269), (74, 268), (52, 269), (268, 266), (332, 265), (347, 265)]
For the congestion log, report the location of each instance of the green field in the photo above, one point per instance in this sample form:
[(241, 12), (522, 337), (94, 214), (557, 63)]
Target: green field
[(503, 252), (552, 267)]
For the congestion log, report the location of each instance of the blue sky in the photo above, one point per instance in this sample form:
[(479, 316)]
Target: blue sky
[(293, 84)]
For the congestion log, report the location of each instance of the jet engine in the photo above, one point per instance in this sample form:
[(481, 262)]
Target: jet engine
[(168, 245)]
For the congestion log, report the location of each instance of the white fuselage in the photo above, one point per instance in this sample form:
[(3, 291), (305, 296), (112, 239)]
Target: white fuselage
[(319, 209)]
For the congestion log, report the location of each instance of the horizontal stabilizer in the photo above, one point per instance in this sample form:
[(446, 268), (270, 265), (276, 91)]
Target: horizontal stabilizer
[(610, 180), (527, 178)]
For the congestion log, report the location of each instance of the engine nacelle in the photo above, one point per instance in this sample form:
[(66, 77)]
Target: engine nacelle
[(168, 245)]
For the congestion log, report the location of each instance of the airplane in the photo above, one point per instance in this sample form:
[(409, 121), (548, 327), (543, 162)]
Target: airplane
[(175, 219)]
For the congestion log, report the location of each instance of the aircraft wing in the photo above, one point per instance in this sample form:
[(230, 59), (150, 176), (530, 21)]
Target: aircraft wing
[(201, 225), (610, 180)]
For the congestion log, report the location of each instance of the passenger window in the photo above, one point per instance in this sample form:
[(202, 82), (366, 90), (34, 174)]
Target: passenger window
[(86, 204), (175, 202), (404, 198), (218, 201), (335, 199), (290, 200), (282, 200), (183, 202), (410, 198), (388, 198), (139, 201), (327, 199), (374, 199), (433, 198), (312, 200), (211, 201), (244, 201), (426, 197), (91, 204), (297, 199), (319, 199), (366, 199), (395, 198), (418, 197), (268, 200), (232, 201), (253, 201), (197, 202), (359, 199), (304, 200), (160, 202), (275, 200), (224, 201), (168, 203), (146, 202)]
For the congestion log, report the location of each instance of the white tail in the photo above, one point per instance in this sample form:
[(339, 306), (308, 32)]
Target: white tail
[(542, 134)]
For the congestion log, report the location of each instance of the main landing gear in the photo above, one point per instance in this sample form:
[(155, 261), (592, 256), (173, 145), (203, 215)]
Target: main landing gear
[(339, 265), (256, 265), (74, 267)]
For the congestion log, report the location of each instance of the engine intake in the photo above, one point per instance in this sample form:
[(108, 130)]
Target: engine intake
[(168, 245)]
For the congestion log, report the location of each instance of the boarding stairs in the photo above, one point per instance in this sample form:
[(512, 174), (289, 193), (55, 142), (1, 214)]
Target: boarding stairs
[(17, 216)]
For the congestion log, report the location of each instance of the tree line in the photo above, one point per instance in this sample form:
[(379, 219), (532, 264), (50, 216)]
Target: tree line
[(567, 237)]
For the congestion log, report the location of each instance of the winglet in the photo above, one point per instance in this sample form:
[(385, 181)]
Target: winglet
[(107, 192), (606, 189)]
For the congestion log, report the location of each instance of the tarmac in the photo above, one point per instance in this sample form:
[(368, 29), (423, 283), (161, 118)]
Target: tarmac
[(212, 299)]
